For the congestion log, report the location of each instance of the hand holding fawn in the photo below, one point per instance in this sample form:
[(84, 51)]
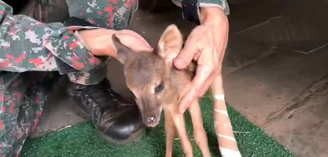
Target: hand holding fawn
[(158, 86)]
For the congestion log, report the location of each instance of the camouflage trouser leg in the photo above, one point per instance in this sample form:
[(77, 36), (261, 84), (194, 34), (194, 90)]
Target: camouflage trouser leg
[(89, 78), (110, 14), (102, 13), (22, 97)]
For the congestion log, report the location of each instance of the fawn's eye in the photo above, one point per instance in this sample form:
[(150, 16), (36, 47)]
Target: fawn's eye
[(159, 88)]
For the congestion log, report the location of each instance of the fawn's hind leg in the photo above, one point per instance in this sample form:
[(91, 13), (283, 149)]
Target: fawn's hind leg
[(170, 133), (180, 126), (199, 131)]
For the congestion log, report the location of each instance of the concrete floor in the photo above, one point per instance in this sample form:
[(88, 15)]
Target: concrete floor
[(274, 71)]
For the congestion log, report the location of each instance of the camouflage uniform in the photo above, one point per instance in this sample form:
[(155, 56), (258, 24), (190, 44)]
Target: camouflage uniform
[(34, 54)]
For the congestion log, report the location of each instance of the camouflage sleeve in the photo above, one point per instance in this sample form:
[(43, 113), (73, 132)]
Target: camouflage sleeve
[(223, 4), (29, 45)]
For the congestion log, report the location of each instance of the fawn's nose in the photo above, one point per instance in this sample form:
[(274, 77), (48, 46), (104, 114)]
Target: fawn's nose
[(150, 120)]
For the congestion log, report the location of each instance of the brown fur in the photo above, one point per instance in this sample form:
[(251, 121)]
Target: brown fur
[(147, 73)]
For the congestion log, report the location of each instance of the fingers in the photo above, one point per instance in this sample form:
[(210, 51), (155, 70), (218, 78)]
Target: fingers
[(203, 72), (200, 83), (134, 41), (209, 81), (205, 87), (136, 35), (187, 53)]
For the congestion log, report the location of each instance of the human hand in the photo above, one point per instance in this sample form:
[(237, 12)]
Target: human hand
[(100, 42), (206, 44)]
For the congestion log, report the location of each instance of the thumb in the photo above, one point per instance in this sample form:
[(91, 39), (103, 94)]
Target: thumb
[(186, 55)]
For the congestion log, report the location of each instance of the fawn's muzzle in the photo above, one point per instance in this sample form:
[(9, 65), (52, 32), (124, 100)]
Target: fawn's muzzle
[(150, 120)]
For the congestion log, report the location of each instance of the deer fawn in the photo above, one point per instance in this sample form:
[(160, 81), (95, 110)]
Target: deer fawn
[(158, 86)]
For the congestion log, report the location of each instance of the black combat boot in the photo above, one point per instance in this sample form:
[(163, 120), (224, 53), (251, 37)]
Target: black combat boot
[(116, 120)]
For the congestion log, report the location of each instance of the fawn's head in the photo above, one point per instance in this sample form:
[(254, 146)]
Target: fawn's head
[(147, 74)]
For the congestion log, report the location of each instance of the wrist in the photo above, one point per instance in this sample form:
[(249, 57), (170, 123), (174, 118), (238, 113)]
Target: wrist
[(213, 16)]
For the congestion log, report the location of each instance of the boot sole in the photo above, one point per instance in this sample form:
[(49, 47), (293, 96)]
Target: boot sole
[(135, 137)]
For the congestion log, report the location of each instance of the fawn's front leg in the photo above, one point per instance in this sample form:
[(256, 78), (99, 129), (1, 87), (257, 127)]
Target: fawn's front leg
[(170, 133), (180, 125), (199, 131)]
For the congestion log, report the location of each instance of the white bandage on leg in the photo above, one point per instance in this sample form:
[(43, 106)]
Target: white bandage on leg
[(224, 124), (222, 112), (227, 137), (219, 97), (225, 152)]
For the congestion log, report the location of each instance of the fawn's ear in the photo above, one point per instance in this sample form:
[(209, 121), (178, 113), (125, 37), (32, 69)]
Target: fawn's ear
[(170, 43), (123, 52)]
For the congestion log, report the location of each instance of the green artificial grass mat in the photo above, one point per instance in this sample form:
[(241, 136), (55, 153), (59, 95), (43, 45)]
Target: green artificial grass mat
[(81, 140)]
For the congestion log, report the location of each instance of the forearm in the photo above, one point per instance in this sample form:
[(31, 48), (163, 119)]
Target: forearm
[(213, 15), (29, 45), (222, 4)]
